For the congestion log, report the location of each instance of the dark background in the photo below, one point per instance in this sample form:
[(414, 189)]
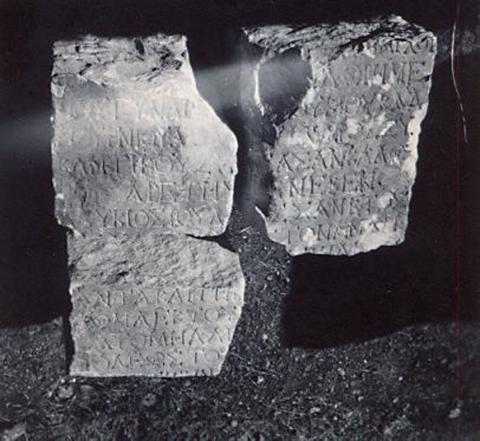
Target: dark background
[(315, 329)]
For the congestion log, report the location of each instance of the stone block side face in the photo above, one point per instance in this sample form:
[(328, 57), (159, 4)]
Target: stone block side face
[(153, 305), (135, 146), (342, 141)]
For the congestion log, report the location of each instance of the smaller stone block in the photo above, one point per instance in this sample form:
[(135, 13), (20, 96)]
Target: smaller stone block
[(152, 305)]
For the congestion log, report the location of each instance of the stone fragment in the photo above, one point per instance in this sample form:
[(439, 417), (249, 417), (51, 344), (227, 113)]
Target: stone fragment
[(336, 111), (152, 305), (140, 160), (135, 146)]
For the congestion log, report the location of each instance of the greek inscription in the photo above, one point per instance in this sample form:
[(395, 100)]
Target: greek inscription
[(376, 73), (342, 164), (141, 164)]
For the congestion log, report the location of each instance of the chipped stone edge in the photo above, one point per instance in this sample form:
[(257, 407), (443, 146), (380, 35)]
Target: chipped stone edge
[(233, 143)]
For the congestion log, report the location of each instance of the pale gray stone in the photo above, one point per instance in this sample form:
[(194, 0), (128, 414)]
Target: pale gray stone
[(152, 304), (135, 146), (336, 111), (140, 160)]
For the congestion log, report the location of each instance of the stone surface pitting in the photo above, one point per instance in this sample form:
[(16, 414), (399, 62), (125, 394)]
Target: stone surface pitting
[(135, 146), (152, 305), (340, 109), (140, 161)]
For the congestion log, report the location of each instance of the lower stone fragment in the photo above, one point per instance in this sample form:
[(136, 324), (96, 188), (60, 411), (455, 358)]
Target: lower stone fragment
[(152, 305)]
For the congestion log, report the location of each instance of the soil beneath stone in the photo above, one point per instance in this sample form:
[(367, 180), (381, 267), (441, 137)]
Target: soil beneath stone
[(420, 382)]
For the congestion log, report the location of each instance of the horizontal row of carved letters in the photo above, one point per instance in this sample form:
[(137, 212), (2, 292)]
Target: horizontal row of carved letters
[(401, 46), (195, 362), (334, 234), (368, 73), (165, 217), (166, 296), (131, 108), (129, 139), (164, 192), (197, 333)]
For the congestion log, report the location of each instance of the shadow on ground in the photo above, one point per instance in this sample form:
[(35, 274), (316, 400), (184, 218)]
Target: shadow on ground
[(336, 300)]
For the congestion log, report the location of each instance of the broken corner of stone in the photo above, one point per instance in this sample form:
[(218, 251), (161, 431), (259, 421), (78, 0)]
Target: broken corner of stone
[(338, 110), (141, 162)]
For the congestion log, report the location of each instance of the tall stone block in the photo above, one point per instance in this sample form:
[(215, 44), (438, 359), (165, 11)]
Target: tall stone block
[(336, 112), (135, 146), (140, 161)]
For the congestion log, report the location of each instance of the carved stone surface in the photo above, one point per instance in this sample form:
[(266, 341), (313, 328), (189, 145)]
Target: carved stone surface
[(135, 146), (340, 109), (152, 305), (140, 160)]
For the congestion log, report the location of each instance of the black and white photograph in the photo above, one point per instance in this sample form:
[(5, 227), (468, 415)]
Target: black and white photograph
[(239, 220)]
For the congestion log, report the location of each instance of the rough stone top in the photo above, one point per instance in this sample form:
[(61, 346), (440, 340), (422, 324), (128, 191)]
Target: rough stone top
[(152, 259), (328, 38), (122, 60)]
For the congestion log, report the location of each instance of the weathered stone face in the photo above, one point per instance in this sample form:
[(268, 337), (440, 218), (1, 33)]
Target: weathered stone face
[(140, 160), (152, 305), (340, 109), (135, 146)]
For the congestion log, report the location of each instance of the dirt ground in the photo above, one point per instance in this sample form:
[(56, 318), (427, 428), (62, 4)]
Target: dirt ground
[(380, 346), (418, 383)]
